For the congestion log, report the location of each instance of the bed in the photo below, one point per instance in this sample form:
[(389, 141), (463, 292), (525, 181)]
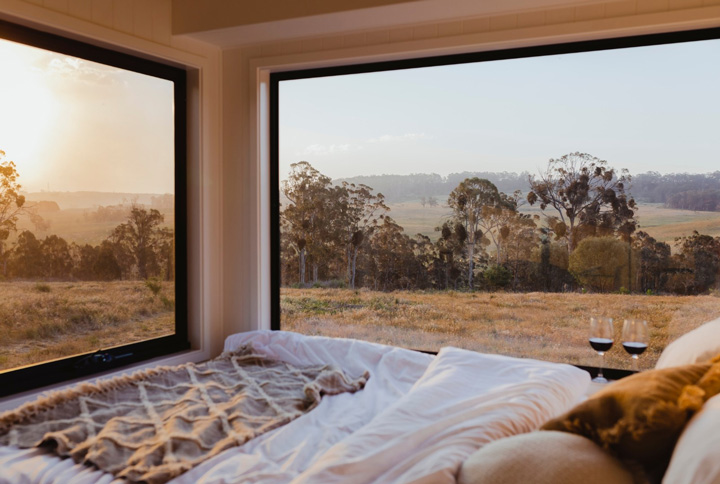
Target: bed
[(417, 420)]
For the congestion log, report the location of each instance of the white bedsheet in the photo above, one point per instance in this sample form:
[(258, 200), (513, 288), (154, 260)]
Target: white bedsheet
[(418, 417)]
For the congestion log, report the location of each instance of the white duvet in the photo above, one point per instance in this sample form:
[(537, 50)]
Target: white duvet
[(417, 419)]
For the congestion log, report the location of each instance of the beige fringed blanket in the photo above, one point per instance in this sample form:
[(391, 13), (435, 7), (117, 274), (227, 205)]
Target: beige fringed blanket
[(154, 425)]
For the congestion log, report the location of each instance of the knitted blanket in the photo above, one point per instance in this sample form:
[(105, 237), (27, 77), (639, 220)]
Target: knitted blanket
[(156, 424)]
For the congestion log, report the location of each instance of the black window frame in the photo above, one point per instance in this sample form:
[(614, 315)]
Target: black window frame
[(17, 380), (432, 61)]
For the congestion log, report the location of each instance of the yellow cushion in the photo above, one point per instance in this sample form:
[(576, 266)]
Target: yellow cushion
[(639, 418), (543, 458)]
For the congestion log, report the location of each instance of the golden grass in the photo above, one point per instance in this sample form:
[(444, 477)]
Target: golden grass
[(545, 326), (665, 224), (416, 219), (40, 322)]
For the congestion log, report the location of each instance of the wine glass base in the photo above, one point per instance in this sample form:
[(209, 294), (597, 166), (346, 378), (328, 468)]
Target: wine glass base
[(599, 379)]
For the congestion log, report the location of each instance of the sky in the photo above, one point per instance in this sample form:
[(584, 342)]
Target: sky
[(645, 109), (73, 125)]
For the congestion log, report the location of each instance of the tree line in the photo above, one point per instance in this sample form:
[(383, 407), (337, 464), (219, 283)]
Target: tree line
[(138, 248), (684, 191), (587, 238), (654, 187), (697, 200), (402, 188)]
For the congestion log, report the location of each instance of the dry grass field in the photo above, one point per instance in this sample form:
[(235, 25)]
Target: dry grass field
[(545, 326), (45, 321), (665, 224), (416, 219)]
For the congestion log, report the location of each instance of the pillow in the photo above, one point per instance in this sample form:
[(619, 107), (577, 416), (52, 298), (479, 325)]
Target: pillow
[(696, 346), (639, 418), (696, 458), (543, 458)]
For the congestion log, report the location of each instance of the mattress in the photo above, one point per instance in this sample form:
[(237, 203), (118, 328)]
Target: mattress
[(418, 418)]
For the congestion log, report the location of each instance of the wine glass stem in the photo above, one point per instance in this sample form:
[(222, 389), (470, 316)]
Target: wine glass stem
[(602, 364), (635, 362)]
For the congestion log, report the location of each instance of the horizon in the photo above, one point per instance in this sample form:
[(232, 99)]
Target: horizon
[(26, 192), (509, 173), (445, 176), (647, 109)]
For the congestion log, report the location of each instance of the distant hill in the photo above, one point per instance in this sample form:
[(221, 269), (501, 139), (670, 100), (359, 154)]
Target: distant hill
[(43, 206), (689, 191), (403, 188), (90, 200)]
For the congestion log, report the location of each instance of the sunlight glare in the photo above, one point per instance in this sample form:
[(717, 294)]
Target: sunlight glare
[(28, 108)]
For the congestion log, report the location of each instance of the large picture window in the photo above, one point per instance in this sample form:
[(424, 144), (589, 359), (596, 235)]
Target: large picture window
[(498, 201), (92, 209)]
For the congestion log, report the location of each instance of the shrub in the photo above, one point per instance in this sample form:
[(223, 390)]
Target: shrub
[(39, 287), (601, 263), (330, 284), (497, 276), (167, 303), (154, 285)]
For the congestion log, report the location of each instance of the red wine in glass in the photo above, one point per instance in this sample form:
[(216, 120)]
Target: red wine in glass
[(634, 348), (601, 339), (601, 344), (635, 337)]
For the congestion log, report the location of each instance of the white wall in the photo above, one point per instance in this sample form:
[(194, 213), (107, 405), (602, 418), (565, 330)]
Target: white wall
[(143, 28), (245, 129)]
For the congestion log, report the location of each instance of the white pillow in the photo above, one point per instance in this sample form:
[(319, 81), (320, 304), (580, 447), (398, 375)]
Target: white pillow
[(697, 346), (696, 458)]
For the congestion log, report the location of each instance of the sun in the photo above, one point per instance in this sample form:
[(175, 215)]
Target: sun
[(28, 109)]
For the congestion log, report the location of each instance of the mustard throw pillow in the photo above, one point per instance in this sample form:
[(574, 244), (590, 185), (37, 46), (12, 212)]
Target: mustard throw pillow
[(639, 418)]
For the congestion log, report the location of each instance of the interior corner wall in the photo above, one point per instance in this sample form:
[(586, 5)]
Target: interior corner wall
[(245, 130), (242, 278)]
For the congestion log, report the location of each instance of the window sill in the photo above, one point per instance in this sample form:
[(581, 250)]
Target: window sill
[(11, 402)]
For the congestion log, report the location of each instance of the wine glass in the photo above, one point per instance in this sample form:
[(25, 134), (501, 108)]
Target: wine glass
[(601, 340), (635, 339)]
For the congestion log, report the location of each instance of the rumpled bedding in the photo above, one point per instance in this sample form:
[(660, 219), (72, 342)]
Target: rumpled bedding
[(416, 421)]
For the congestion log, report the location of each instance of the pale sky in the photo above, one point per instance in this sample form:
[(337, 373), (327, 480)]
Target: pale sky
[(645, 109), (75, 125)]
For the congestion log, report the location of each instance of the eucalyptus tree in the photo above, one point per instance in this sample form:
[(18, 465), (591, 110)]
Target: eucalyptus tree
[(305, 190), (12, 202), (394, 263), (700, 255), (589, 197), (138, 242), (498, 219), (314, 218), (449, 249), (26, 258), (654, 261), (471, 202), (363, 210), (56, 259)]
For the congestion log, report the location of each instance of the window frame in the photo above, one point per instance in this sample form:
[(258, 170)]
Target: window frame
[(17, 380), (557, 48)]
